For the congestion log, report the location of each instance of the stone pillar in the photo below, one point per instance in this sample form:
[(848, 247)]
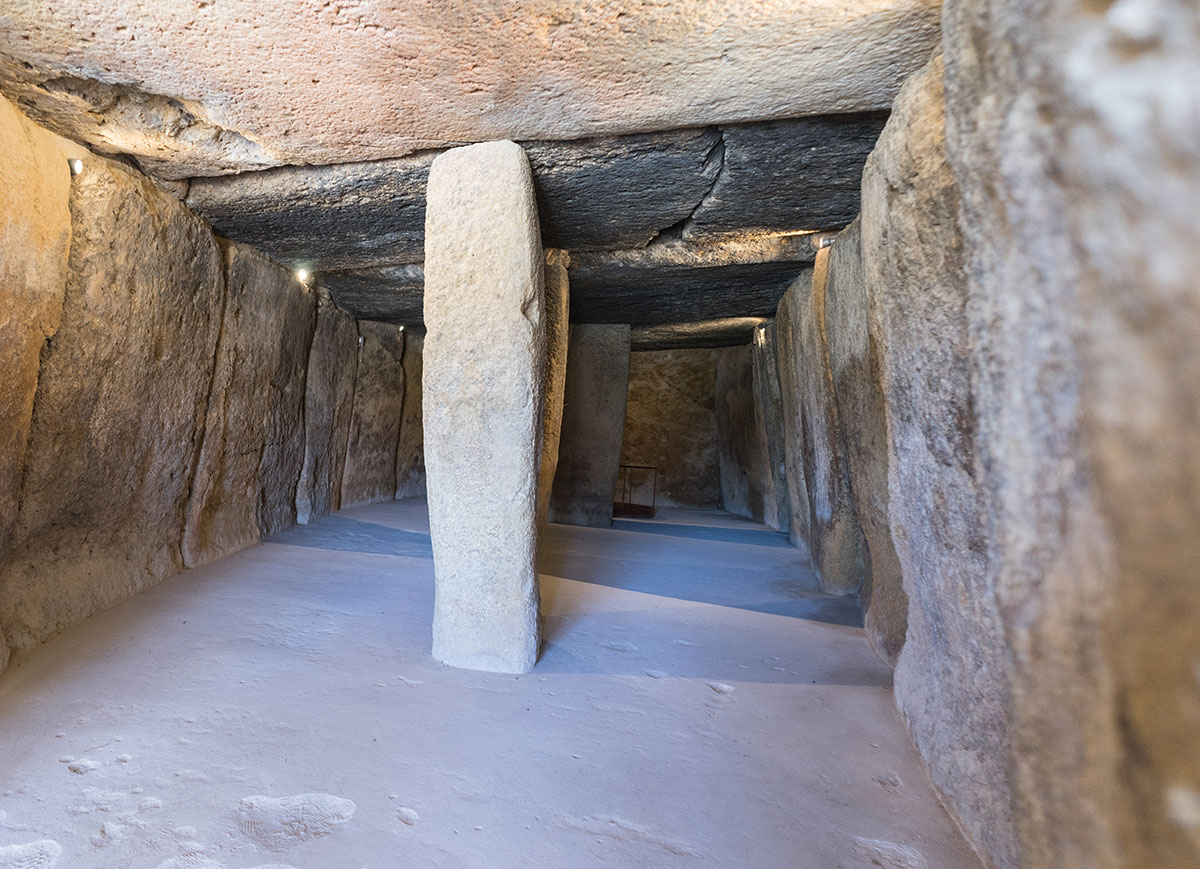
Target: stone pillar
[(589, 453), (484, 364), (739, 441), (558, 333)]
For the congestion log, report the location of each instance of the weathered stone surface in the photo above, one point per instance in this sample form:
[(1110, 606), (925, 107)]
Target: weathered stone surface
[(739, 440), (557, 309), (315, 83), (856, 362), (484, 361), (323, 218), (589, 450), (389, 294), (768, 411), (410, 453), (253, 447), (1074, 132), (119, 407), (799, 174), (726, 332), (35, 234), (328, 404), (834, 537), (787, 351), (369, 475), (671, 424), (673, 281), (950, 679)]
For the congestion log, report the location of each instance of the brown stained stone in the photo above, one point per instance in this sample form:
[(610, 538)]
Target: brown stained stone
[(328, 402), (855, 359), (379, 386), (410, 449), (558, 334), (119, 408), (671, 424), (35, 235), (739, 439)]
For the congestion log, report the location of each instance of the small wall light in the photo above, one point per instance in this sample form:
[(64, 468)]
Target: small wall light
[(302, 275), (76, 166), (401, 328)]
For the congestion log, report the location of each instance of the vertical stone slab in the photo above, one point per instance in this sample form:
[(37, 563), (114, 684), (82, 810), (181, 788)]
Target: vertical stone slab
[(35, 234), (379, 386), (410, 451), (768, 410), (328, 403), (856, 360), (119, 407), (253, 449), (671, 425), (589, 452), (835, 538), (951, 683), (484, 370), (558, 333), (741, 460), (787, 350)]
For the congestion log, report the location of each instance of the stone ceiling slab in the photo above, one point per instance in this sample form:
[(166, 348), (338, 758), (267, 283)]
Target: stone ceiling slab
[(206, 88), (726, 332)]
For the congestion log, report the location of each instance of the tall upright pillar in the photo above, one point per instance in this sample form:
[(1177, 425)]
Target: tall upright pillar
[(484, 364), (589, 451)]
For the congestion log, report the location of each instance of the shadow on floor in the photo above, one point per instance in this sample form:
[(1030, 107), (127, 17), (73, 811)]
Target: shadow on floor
[(342, 534), (750, 536)]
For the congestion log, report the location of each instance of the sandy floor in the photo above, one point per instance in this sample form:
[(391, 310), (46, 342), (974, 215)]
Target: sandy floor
[(698, 703)]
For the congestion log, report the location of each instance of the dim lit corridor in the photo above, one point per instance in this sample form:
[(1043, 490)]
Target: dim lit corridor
[(695, 705)]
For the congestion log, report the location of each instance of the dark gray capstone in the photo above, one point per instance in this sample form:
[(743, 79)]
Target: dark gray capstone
[(725, 332)]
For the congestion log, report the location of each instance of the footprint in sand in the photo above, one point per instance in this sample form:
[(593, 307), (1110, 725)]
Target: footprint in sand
[(407, 815), (889, 855), (280, 823), (42, 854), (621, 646), (720, 688)]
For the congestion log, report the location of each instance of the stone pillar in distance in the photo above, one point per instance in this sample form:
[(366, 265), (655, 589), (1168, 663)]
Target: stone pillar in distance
[(484, 364)]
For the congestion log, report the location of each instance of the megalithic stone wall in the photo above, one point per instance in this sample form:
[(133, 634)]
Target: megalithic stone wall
[(558, 334), (369, 475), (410, 451), (768, 411), (742, 463)]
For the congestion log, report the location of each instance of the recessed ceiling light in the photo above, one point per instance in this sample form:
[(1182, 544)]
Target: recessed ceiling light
[(302, 274), (76, 167)]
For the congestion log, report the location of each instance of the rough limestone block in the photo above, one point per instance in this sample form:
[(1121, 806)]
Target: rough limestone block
[(950, 678), (1073, 130), (855, 358), (484, 361), (671, 424), (410, 449), (787, 346), (119, 408), (369, 475), (253, 449), (328, 402), (35, 234), (558, 333), (834, 536), (589, 452), (741, 459), (768, 411)]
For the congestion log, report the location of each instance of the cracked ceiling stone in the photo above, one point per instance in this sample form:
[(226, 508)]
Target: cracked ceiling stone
[(668, 282), (310, 81), (726, 332)]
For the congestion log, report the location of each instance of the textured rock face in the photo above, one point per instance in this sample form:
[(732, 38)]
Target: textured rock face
[(35, 233), (950, 679), (739, 439), (119, 407), (787, 351), (834, 536), (768, 411), (589, 451), (328, 403), (484, 361), (798, 174), (855, 360), (383, 81), (671, 424), (725, 332), (387, 294), (379, 385), (253, 449), (1086, 119), (558, 334), (410, 454)]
